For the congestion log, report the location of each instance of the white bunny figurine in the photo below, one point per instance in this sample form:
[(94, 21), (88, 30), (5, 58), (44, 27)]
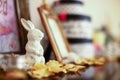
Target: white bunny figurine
[(33, 46)]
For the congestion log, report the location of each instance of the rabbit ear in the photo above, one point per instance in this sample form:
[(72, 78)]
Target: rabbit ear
[(26, 25), (30, 23)]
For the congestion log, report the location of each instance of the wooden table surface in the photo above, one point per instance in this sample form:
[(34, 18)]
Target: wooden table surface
[(109, 71)]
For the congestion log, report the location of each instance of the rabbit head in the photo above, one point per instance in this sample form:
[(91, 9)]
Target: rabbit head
[(33, 33)]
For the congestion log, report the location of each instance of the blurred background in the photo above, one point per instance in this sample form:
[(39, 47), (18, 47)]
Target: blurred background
[(104, 24), (92, 28)]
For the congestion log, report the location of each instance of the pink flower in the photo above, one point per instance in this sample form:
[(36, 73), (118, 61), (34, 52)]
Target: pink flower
[(4, 30)]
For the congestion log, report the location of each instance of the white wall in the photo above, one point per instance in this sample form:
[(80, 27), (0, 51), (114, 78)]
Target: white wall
[(105, 12), (33, 5), (102, 12)]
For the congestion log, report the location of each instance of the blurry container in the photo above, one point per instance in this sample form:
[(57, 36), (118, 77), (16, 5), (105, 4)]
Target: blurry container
[(79, 32), (77, 26), (99, 40)]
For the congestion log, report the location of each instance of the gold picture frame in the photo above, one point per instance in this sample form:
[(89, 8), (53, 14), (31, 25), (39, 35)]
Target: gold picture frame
[(54, 31)]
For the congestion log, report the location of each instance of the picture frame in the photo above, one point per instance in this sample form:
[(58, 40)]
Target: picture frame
[(15, 10), (55, 32)]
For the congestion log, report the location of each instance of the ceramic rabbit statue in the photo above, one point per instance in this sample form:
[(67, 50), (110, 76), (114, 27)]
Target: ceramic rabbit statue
[(33, 46)]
